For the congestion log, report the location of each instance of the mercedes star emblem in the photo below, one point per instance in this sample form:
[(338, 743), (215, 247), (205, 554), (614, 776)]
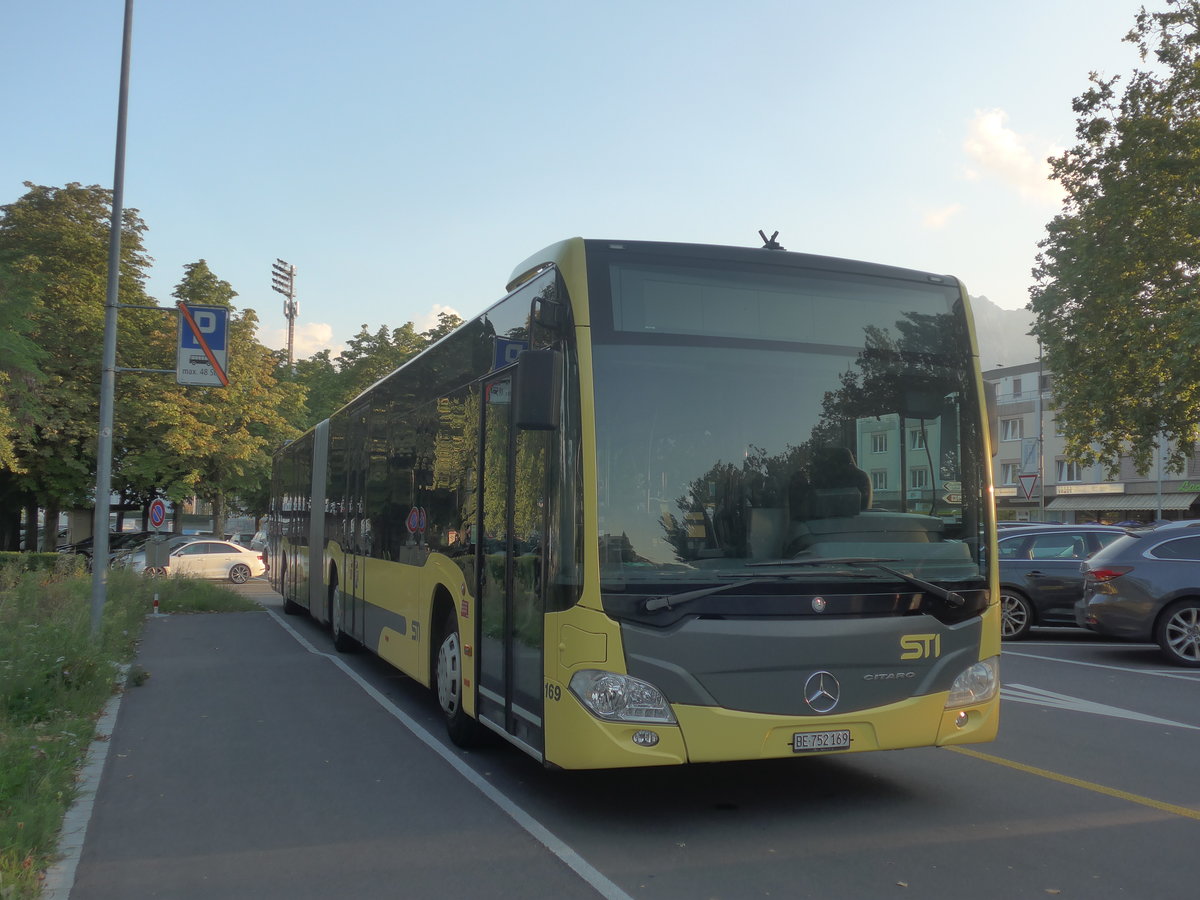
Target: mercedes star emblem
[(821, 691)]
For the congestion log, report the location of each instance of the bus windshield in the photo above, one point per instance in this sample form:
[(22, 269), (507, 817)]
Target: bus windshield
[(752, 416)]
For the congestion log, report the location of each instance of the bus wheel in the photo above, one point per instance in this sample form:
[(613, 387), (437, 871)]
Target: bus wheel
[(464, 731), (1016, 615), (290, 606), (342, 642)]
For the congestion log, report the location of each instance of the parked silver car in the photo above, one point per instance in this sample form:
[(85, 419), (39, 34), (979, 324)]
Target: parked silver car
[(203, 558), (1145, 586)]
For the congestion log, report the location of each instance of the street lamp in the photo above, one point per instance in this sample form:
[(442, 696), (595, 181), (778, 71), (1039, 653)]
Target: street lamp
[(283, 281)]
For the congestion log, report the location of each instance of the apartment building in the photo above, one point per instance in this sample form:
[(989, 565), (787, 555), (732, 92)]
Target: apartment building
[(1035, 482)]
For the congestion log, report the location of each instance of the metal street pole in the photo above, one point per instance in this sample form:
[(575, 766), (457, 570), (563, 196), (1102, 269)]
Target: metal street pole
[(109, 365), (1158, 452), (1041, 416)]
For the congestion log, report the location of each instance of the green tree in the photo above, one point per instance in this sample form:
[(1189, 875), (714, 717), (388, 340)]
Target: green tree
[(20, 380), (221, 438), (324, 391), (54, 256), (1116, 303), (20, 373)]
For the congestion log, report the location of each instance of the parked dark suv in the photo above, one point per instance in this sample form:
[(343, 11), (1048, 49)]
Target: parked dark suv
[(1146, 587), (1040, 579)]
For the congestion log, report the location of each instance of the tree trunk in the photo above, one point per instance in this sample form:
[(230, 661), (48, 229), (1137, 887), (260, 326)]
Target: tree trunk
[(50, 529), (218, 516)]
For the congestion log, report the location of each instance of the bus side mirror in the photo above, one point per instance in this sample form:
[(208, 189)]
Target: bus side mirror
[(539, 390), (547, 312)]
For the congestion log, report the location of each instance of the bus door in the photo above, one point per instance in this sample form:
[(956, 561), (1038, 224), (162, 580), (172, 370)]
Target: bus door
[(511, 520), (356, 533)]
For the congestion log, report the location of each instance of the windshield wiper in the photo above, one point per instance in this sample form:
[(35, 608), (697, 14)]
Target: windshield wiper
[(951, 597), (666, 601)]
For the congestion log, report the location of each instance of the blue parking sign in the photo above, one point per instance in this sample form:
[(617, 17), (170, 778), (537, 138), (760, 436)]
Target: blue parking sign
[(213, 322), (201, 356), (507, 351)]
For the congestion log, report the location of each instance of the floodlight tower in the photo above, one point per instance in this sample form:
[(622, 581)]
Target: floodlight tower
[(283, 280)]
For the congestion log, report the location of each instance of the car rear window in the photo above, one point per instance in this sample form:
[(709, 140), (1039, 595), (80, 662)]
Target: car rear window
[(1181, 548)]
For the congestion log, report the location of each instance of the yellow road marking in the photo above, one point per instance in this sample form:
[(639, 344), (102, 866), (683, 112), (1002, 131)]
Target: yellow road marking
[(1171, 808)]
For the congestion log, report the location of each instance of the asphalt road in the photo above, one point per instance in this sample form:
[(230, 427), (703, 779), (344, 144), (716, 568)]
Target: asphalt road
[(255, 762)]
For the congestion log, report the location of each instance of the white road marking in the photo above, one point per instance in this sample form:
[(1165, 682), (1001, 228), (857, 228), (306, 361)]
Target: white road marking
[(1161, 673), (536, 829), (1023, 693)]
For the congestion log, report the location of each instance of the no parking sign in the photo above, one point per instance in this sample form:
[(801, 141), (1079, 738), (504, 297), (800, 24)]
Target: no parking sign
[(416, 520), (158, 513)]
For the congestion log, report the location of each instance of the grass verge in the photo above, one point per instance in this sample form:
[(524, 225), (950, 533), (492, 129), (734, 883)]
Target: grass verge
[(54, 681)]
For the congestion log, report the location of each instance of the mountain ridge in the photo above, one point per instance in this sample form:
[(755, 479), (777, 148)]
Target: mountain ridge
[(1003, 334)]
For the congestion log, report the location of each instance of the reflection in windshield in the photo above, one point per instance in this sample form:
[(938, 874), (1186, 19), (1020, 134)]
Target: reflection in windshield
[(714, 457)]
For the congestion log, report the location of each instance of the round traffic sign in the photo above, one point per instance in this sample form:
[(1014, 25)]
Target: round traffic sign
[(158, 513)]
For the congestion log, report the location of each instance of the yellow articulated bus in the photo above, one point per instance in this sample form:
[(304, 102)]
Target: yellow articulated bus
[(669, 503)]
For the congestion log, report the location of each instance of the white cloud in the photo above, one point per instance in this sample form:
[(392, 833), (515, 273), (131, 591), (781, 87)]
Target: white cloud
[(430, 319), (313, 337), (309, 338), (937, 219), (999, 152)]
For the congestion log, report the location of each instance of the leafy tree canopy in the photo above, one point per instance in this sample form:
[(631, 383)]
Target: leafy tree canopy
[(1115, 301), (54, 260)]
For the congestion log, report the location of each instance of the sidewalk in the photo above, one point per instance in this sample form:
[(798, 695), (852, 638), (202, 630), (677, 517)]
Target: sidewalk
[(248, 766)]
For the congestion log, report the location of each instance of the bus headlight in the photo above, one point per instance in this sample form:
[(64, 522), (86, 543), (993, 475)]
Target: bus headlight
[(620, 698), (976, 684)]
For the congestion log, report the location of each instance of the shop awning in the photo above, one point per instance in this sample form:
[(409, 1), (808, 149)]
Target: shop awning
[(1141, 502)]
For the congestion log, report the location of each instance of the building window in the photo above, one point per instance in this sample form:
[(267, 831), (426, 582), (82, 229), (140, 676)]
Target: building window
[(916, 439), (1012, 429), (1009, 473), (918, 478), (1016, 388), (879, 442), (1069, 471), (879, 479)]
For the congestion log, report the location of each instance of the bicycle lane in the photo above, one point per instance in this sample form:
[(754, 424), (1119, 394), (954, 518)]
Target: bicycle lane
[(247, 766)]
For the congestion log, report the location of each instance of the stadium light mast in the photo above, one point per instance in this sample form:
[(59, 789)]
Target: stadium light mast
[(283, 281)]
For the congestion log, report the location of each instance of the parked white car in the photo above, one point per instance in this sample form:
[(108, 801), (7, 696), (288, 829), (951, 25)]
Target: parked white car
[(204, 559)]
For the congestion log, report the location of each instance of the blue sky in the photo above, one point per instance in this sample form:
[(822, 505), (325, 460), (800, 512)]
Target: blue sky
[(406, 156)]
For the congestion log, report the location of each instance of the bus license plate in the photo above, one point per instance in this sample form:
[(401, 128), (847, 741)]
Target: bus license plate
[(821, 740)]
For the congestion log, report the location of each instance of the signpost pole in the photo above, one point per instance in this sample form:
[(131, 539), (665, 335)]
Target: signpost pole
[(109, 365)]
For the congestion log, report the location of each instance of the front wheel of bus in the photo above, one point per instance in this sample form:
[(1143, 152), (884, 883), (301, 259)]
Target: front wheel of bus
[(464, 731)]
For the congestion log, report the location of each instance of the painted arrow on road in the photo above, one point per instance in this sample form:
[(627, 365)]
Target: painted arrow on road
[(1023, 693)]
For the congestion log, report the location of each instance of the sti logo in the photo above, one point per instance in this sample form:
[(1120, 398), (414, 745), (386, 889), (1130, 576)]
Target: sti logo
[(921, 646)]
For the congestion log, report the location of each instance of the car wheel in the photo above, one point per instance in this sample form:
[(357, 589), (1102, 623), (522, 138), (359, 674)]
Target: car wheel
[(239, 573), (155, 571), (1016, 615), (463, 730), (1178, 633)]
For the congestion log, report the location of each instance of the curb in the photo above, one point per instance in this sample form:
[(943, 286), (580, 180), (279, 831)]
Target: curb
[(60, 877)]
